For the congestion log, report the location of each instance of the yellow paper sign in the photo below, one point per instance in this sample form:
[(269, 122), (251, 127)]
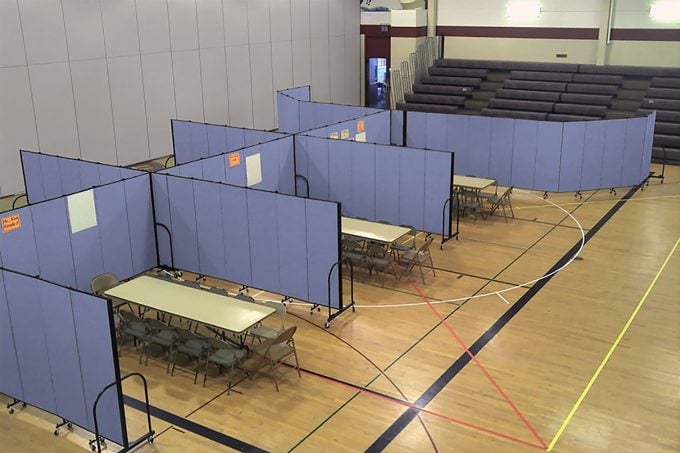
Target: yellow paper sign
[(11, 223), (333, 135), (360, 126), (234, 159), (345, 134)]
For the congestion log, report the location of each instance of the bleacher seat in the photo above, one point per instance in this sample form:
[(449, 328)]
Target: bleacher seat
[(663, 93), (665, 82), (642, 71), (667, 128), (534, 86), (566, 117), (596, 111), (541, 76), (661, 104), (458, 81), (445, 99), (433, 108), (514, 114), (662, 115), (547, 96), (598, 79), (457, 72), (669, 141), (514, 104), (441, 89), (590, 99), (591, 88)]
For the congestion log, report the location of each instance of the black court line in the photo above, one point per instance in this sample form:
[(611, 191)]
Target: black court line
[(194, 427), (398, 426)]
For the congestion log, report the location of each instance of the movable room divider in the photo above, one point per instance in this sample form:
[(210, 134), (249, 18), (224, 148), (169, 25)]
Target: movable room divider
[(193, 141), (274, 242), (372, 128), (47, 176), (540, 155), (268, 166), (404, 186)]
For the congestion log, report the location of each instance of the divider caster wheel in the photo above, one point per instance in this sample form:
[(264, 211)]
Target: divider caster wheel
[(150, 439), (56, 432), (10, 410), (327, 324)]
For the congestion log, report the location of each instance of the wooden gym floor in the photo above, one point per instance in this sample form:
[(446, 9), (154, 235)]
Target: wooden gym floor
[(586, 360)]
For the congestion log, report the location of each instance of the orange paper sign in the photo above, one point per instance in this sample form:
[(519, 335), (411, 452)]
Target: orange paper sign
[(11, 223), (360, 126), (234, 159)]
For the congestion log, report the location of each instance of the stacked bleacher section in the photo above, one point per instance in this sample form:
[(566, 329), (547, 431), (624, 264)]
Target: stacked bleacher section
[(554, 92)]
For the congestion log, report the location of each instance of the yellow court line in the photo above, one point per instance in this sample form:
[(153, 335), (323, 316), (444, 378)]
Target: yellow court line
[(611, 350), (576, 203)]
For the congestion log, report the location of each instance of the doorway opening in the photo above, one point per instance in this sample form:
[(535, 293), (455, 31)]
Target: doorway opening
[(377, 82)]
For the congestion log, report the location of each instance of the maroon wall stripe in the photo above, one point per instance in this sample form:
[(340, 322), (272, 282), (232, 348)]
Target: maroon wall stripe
[(393, 32), (519, 32), (645, 34)]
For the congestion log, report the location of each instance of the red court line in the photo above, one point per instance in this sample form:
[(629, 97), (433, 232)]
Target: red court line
[(478, 363), (425, 411)]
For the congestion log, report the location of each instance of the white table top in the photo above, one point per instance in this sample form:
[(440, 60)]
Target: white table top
[(373, 231), (472, 182), (212, 309)]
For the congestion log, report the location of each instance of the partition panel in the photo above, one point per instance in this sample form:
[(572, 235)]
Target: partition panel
[(236, 138), (87, 256), (113, 227), (573, 142), (548, 151), (10, 379), (53, 242), (94, 330), (215, 169), (288, 112), (376, 127), (51, 179), (181, 141), (161, 204), (500, 151), (69, 171), (140, 223), (318, 168), (647, 151), (633, 143), (292, 242), (307, 116), (338, 113), (236, 234), (209, 226), (435, 135), (363, 180), (286, 165), (323, 114), (33, 177), (524, 153), (412, 187), (387, 177), (301, 93), (199, 141), (264, 247), (340, 175), (416, 129), (183, 220), (438, 182), (62, 348), (108, 174), (593, 151), (479, 145), (323, 251), (397, 127), (89, 175), (190, 170), (612, 160), (217, 140), (236, 175), (31, 346), (269, 165), (18, 250), (458, 140)]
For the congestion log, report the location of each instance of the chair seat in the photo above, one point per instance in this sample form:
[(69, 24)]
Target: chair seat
[(265, 331), (135, 329), (227, 357), (280, 351), (194, 348), (164, 338)]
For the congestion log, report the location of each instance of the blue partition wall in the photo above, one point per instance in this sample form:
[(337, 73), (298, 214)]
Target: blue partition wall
[(57, 352), (539, 155), (47, 176), (122, 242), (194, 141), (379, 182), (266, 240), (276, 160), (376, 127)]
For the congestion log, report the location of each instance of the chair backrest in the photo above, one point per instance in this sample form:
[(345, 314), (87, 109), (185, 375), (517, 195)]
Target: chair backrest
[(130, 317), (157, 325), (280, 309), (191, 284), (102, 282), (221, 291), (284, 337), (376, 250), (425, 248)]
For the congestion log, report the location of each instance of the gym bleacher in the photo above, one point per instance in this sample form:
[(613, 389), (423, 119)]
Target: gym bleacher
[(554, 92)]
